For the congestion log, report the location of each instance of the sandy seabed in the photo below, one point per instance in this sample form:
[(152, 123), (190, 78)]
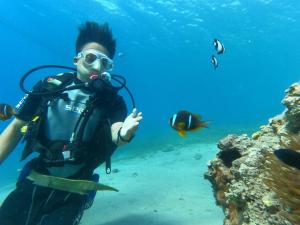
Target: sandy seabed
[(165, 187)]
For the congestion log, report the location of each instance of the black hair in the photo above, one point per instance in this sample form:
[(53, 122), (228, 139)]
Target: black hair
[(99, 33)]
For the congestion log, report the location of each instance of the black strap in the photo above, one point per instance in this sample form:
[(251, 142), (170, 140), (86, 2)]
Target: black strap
[(33, 127), (122, 139), (94, 101)]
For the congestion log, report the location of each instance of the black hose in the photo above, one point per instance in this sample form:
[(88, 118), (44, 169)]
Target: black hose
[(24, 77), (119, 79)]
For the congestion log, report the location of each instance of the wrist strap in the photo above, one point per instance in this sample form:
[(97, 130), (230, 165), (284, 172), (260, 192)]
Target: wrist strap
[(122, 139)]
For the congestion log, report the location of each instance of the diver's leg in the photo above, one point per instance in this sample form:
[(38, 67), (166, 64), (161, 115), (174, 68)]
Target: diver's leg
[(19, 206), (9, 210), (67, 211)]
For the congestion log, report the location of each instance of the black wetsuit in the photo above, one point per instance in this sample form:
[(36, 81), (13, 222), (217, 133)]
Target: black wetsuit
[(30, 204)]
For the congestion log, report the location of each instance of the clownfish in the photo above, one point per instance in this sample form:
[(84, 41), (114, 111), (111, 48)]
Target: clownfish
[(6, 111), (184, 121), (219, 46), (214, 61)]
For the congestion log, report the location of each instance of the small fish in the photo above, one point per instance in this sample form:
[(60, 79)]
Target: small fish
[(219, 46), (186, 121), (6, 111), (289, 157), (214, 61)]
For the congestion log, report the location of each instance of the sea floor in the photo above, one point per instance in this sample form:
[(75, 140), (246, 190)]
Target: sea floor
[(160, 181), (165, 187)]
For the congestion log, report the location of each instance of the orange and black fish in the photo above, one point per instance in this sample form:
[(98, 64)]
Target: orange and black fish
[(186, 121), (6, 111)]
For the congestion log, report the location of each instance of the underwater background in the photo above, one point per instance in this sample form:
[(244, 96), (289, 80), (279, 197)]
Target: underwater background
[(164, 50)]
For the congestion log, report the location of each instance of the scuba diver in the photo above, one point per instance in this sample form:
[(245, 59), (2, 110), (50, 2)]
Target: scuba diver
[(74, 121)]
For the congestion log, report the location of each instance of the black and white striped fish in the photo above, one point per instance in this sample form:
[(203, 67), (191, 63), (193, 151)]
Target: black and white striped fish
[(219, 46), (214, 61), (186, 121), (6, 111)]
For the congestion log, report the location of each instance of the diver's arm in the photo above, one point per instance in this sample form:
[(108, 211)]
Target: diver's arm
[(10, 137), (115, 129), (114, 133), (123, 132)]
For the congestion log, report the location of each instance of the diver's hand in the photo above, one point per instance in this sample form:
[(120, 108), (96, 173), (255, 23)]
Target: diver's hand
[(130, 125)]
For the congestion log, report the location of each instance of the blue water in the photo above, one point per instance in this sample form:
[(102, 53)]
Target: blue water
[(164, 50)]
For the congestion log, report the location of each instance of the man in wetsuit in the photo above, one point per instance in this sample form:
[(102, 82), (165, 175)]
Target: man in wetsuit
[(74, 131)]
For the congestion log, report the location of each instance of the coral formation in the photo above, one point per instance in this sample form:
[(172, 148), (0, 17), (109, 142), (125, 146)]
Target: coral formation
[(249, 182)]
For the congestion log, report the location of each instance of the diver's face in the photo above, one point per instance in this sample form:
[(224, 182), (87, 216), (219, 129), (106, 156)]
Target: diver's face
[(92, 61)]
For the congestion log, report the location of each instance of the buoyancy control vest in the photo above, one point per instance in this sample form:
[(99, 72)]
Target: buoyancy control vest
[(71, 126)]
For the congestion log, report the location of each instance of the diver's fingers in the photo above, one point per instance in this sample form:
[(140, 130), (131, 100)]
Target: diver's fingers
[(139, 118), (135, 127), (139, 115), (134, 112)]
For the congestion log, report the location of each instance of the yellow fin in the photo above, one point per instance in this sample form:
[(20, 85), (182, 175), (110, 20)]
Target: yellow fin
[(181, 133), (180, 128), (64, 184), (203, 124), (200, 126)]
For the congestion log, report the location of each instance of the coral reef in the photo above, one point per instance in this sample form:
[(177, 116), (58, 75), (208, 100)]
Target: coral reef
[(250, 184)]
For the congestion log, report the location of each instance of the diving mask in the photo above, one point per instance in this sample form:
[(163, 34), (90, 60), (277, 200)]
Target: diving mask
[(92, 56)]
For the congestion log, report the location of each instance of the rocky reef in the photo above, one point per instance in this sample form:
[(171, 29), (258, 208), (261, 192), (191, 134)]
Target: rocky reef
[(252, 185)]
